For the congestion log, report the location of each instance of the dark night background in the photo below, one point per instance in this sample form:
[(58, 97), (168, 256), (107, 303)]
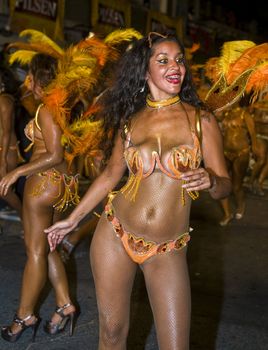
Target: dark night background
[(247, 11)]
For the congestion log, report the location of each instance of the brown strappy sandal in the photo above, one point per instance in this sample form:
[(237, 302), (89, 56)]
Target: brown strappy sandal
[(11, 337), (55, 328)]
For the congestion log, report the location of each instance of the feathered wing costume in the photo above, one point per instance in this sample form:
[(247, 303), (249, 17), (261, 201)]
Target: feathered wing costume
[(242, 67), (80, 67)]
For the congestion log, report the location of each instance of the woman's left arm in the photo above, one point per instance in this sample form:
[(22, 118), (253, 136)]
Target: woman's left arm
[(214, 175), (51, 135)]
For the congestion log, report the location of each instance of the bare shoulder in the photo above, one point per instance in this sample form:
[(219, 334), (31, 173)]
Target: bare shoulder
[(44, 115), (209, 124), (6, 100), (206, 117), (140, 116), (208, 121)]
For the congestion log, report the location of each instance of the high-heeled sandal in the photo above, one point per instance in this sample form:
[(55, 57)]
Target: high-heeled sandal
[(8, 335), (55, 328)]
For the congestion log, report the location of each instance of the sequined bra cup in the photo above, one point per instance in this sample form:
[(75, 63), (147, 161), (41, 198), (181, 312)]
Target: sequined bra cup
[(29, 128), (180, 159)]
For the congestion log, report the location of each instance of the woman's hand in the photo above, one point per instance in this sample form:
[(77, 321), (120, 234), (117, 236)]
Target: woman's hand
[(7, 181), (197, 180), (56, 232)]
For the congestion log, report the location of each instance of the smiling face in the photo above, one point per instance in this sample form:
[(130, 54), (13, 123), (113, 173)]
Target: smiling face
[(166, 70)]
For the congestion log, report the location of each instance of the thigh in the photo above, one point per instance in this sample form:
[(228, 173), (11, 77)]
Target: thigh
[(240, 166), (38, 214), (113, 273), (168, 288)]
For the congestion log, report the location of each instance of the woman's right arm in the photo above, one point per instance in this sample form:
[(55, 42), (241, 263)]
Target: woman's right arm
[(99, 189)]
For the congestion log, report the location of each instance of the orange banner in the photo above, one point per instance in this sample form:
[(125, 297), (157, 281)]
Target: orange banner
[(43, 15)]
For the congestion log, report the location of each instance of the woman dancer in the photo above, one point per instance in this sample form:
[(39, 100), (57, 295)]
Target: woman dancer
[(48, 187), (239, 138), (146, 223), (9, 150)]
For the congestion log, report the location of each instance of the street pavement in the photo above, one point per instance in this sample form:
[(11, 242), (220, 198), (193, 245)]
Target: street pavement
[(229, 279)]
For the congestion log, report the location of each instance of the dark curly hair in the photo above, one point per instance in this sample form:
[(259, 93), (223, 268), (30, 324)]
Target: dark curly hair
[(43, 68), (129, 90)]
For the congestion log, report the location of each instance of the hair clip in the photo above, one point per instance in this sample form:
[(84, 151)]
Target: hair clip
[(154, 33)]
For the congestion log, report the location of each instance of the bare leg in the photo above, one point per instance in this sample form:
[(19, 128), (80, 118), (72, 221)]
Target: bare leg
[(38, 214), (239, 171), (168, 287), (58, 278), (12, 198), (228, 215), (59, 281), (14, 201), (37, 217), (114, 274), (225, 203)]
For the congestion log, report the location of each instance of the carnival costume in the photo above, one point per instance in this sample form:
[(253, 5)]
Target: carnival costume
[(70, 182), (181, 158), (241, 68), (79, 70)]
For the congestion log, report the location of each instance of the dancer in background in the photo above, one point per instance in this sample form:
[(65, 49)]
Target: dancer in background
[(49, 188), (9, 149), (239, 139), (240, 69), (156, 119)]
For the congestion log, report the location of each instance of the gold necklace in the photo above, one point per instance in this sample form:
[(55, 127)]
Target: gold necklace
[(162, 103)]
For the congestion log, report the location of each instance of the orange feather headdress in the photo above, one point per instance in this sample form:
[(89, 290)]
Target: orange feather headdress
[(80, 67), (242, 67)]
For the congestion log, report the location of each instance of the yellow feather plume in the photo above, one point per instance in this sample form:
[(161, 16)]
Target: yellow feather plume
[(24, 57), (38, 37), (79, 70), (231, 51), (120, 35), (84, 138), (37, 47)]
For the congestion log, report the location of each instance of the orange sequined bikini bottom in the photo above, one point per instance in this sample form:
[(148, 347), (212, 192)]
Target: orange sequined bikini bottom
[(70, 195), (138, 248)]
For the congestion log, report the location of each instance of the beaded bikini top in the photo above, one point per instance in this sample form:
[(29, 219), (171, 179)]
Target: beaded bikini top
[(180, 159), (29, 128)]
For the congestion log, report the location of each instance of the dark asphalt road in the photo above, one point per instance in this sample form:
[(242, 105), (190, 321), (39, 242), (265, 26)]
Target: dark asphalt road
[(229, 277)]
